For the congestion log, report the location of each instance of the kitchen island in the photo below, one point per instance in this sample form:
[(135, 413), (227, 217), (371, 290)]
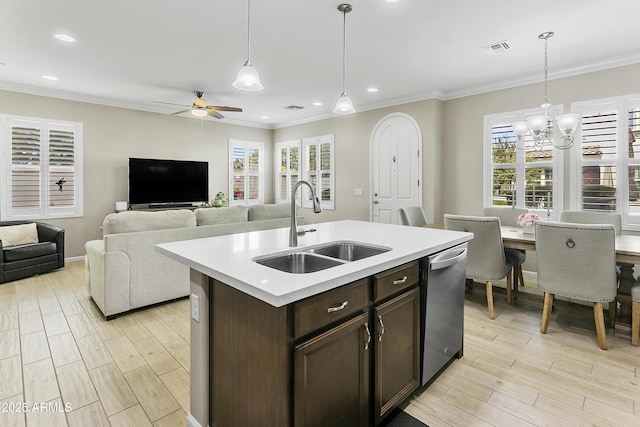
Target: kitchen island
[(258, 336)]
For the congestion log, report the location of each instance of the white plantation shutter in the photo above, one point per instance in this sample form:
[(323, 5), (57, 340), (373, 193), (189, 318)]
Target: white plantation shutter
[(41, 168), (319, 166), (606, 157), (287, 169), (246, 176)]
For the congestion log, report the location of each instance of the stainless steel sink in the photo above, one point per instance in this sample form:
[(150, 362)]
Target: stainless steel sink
[(298, 262), (320, 257), (348, 251)]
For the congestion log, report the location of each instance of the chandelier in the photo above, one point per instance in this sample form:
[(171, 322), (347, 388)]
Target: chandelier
[(541, 128)]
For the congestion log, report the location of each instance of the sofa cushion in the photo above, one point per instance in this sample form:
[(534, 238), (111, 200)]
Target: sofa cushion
[(226, 215), (131, 221), (17, 253), (260, 212), (12, 235)]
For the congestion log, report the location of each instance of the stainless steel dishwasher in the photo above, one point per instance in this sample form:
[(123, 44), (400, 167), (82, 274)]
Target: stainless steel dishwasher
[(442, 309)]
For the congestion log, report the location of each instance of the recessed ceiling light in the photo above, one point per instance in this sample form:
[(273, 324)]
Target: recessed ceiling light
[(50, 77), (372, 89), (265, 117), (391, 1), (317, 103), (64, 37)]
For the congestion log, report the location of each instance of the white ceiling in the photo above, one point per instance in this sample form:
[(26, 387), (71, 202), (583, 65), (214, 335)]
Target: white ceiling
[(130, 53)]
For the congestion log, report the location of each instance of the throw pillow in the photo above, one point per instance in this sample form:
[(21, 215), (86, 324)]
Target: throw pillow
[(23, 234)]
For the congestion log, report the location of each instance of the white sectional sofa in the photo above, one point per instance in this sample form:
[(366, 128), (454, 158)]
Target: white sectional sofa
[(124, 271)]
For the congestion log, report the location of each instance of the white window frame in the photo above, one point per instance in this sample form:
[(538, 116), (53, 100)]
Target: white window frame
[(556, 163), (246, 146), (46, 210), (621, 105), (317, 141), (279, 146)]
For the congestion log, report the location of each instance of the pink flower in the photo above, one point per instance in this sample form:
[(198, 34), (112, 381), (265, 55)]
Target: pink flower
[(527, 219)]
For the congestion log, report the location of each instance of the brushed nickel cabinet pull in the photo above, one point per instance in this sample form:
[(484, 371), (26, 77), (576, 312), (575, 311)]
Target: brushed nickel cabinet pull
[(368, 341), (400, 281), (337, 307), (382, 328)]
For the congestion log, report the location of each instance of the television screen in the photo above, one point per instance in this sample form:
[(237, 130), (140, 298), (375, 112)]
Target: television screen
[(154, 181)]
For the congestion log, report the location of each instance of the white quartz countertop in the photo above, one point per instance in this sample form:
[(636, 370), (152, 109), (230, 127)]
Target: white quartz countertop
[(228, 258)]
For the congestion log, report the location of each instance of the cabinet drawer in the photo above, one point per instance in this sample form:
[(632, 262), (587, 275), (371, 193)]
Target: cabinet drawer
[(320, 310), (394, 280)]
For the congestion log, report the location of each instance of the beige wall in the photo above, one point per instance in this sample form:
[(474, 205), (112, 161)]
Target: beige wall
[(463, 126), (352, 136), (451, 130), (112, 135)]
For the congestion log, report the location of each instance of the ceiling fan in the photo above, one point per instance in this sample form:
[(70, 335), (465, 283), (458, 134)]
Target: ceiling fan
[(201, 109)]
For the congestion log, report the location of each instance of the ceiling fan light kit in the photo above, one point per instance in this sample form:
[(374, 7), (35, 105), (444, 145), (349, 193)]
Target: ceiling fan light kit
[(344, 105), (541, 128), (248, 78)]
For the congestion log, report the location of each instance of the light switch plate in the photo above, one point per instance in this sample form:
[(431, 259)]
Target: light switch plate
[(358, 192), (195, 307)]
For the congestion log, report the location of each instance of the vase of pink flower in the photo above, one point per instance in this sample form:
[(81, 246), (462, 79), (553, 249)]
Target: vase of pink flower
[(526, 221)]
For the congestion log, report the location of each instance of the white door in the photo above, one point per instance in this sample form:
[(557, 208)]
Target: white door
[(396, 167)]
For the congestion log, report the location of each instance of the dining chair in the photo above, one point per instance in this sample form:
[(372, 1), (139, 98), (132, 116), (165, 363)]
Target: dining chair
[(412, 215), (486, 260), (593, 217), (577, 261), (635, 314), (509, 216)]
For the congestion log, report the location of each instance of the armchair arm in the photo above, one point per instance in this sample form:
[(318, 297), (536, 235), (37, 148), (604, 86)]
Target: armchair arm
[(52, 233)]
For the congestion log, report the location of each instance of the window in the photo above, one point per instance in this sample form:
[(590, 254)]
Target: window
[(41, 168), (516, 174), (287, 169), (605, 166), (318, 169), (246, 172)]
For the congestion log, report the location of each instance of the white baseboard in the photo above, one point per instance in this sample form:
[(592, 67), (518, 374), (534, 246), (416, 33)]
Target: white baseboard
[(191, 422), (74, 258)]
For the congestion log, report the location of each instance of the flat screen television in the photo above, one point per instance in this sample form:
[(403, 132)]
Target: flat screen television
[(168, 182)]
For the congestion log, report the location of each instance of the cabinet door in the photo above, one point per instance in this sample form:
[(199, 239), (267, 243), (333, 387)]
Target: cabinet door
[(331, 376), (397, 354)]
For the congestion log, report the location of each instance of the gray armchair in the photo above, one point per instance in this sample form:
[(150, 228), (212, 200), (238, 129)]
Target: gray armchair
[(486, 259), (412, 215), (517, 257), (577, 261)]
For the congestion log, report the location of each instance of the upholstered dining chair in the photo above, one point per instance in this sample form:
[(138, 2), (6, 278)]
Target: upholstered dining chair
[(517, 257), (486, 259), (577, 261), (593, 217), (412, 215), (635, 314)]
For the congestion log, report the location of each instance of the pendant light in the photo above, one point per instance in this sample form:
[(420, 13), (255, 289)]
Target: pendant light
[(344, 104), (541, 128), (248, 78)]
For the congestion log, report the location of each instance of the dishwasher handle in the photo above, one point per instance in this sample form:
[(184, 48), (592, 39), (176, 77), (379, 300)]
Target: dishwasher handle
[(448, 258)]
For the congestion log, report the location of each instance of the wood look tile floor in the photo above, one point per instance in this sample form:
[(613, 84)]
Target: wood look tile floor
[(56, 349)]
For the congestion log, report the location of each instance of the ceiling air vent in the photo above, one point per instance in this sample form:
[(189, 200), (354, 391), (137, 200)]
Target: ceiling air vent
[(293, 107), (497, 47)]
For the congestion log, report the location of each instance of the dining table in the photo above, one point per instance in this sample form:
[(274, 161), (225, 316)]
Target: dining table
[(627, 256)]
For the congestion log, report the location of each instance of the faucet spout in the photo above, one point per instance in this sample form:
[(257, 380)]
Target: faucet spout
[(293, 232)]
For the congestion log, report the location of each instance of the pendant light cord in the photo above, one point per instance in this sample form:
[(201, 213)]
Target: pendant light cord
[(248, 32), (344, 51)]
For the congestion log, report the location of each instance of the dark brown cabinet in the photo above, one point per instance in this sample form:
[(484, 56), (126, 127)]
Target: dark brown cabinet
[(346, 357), (397, 355)]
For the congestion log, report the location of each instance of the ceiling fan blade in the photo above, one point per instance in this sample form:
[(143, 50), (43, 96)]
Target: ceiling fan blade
[(223, 108), (170, 103), (214, 113), (181, 111)]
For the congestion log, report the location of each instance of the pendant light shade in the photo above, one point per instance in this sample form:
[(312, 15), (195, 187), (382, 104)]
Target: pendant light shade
[(248, 78), (344, 105)]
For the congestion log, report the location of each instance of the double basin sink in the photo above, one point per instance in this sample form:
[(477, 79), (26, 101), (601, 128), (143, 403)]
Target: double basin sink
[(320, 257)]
